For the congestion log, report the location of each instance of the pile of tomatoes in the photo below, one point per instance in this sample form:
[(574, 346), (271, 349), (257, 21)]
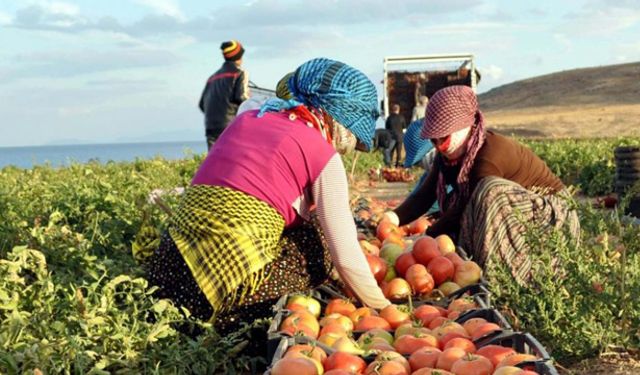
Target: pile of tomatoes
[(341, 338), (405, 263), (434, 325), (397, 175)]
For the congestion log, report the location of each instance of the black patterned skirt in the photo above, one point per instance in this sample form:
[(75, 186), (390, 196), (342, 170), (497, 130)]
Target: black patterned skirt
[(304, 263)]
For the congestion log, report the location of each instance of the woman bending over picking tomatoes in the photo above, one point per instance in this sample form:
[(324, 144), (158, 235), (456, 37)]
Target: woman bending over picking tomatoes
[(499, 187), (244, 234)]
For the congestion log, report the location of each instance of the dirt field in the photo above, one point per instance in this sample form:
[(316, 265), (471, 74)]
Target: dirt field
[(591, 121)]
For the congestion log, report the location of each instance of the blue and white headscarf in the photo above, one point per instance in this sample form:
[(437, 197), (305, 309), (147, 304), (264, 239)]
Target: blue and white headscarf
[(345, 93), (415, 146)]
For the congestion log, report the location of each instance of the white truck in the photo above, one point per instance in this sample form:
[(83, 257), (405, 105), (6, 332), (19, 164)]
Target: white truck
[(406, 78)]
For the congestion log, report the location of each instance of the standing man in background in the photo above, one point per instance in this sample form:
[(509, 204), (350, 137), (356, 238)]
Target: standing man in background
[(396, 124), (224, 91)]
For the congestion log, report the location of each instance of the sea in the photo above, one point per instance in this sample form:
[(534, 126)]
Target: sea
[(63, 155)]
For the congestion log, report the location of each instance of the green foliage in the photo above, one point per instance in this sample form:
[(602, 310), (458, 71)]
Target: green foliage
[(72, 298), (589, 302), (587, 163)]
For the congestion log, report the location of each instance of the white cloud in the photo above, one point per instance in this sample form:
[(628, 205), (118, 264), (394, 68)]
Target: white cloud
[(47, 15), (603, 17), (70, 63), (5, 19), (60, 8), (466, 28), (164, 7), (492, 71)]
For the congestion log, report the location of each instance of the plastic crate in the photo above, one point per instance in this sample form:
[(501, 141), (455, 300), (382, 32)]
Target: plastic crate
[(278, 352), (524, 343), (479, 292), (545, 368)]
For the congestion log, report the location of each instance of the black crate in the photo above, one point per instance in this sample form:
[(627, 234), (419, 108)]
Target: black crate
[(543, 367), (523, 343)]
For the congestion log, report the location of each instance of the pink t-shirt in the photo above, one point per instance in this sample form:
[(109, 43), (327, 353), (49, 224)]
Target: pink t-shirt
[(272, 158), (289, 165)]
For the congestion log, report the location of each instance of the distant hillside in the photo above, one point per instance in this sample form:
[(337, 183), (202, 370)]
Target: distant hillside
[(612, 84), (591, 102)]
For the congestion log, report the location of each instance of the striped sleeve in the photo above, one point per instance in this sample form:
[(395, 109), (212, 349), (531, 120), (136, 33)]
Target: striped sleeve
[(331, 195)]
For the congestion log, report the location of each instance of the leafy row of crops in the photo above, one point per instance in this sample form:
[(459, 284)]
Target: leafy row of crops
[(73, 300)]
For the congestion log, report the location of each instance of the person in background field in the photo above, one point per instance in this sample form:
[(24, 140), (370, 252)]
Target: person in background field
[(420, 108), (500, 187), (225, 90), (244, 233), (383, 140), (396, 124)]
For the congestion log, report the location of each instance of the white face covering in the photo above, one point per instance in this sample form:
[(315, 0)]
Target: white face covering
[(458, 140), (343, 140)]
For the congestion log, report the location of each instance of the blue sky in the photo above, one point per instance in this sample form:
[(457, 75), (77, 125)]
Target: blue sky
[(104, 71)]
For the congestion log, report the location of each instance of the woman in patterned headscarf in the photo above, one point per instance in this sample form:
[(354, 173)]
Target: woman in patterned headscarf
[(244, 233), (496, 184)]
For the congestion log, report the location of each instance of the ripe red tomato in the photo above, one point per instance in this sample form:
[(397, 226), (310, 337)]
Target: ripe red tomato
[(385, 368), (301, 322), (461, 305), (361, 312), (462, 343), (424, 357), (420, 280), (396, 315), (444, 340), (472, 324), (340, 306), (407, 344), (419, 225), (448, 357), (431, 371), (426, 313), (377, 266), (385, 229), (371, 322), (314, 352), (495, 353), (294, 365), (403, 262), (397, 288), (514, 359), (454, 258), (442, 269), (472, 365), (338, 372), (484, 330), (425, 249), (344, 361)]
